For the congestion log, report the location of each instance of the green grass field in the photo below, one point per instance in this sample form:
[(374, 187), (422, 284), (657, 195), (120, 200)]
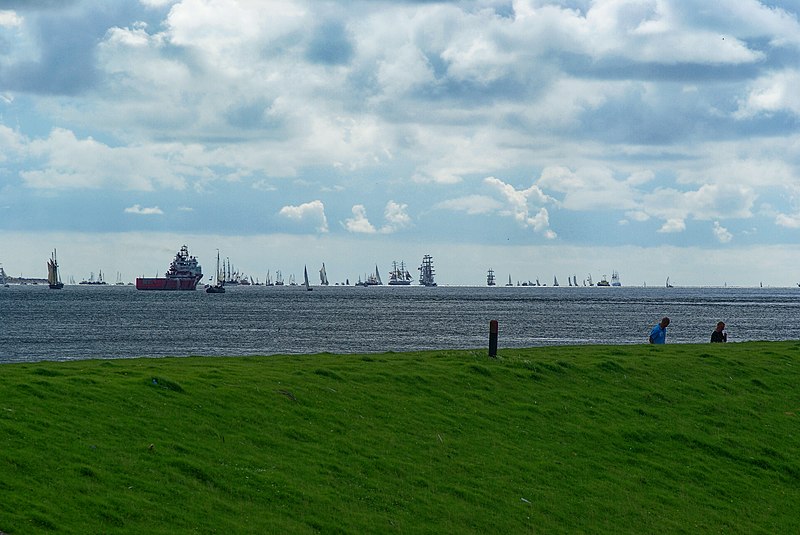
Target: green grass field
[(600, 439)]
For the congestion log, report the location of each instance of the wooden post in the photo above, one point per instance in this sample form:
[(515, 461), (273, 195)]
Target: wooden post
[(493, 328)]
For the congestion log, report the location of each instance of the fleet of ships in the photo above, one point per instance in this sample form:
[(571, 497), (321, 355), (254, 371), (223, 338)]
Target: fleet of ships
[(185, 273)]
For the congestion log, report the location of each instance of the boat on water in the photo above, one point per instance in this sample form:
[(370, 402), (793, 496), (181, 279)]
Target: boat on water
[(399, 275), (219, 287), (426, 272), (3, 277), (94, 282), (615, 278), (374, 279), (183, 274), (278, 278), (509, 283), (668, 285), (555, 281), (323, 275), (305, 279), (490, 278), (603, 282), (53, 278)]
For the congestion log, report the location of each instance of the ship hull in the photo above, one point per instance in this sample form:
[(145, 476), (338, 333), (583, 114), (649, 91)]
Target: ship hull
[(165, 284)]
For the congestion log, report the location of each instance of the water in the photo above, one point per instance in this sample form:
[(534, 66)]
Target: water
[(81, 322)]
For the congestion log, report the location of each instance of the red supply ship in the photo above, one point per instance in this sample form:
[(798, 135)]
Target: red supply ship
[(184, 273)]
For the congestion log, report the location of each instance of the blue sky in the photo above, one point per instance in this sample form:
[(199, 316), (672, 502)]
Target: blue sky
[(653, 137)]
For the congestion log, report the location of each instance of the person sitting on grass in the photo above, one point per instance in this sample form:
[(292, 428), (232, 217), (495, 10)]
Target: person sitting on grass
[(719, 335)]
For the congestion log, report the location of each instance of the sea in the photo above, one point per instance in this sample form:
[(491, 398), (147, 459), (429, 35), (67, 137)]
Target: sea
[(113, 322)]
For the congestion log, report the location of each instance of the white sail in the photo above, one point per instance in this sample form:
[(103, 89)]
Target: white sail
[(323, 276), (305, 278)]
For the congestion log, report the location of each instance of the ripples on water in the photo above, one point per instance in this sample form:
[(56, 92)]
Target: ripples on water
[(79, 322)]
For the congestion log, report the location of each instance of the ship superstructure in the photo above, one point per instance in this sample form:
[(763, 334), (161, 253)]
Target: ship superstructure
[(183, 274)]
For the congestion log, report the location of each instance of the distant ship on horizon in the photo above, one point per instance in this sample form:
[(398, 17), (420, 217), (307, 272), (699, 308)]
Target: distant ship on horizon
[(183, 274)]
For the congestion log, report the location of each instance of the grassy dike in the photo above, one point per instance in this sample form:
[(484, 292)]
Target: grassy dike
[(600, 439)]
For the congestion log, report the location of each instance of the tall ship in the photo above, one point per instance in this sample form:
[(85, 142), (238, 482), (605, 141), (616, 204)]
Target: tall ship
[(615, 278), (183, 274), (426, 271), (53, 278), (399, 276), (490, 278)]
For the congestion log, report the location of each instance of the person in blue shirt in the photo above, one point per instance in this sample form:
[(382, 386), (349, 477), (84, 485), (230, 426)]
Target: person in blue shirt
[(658, 335)]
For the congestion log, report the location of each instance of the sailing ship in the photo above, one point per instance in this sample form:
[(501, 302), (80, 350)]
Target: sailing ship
[(374, 279), (3, 277), (490, 278), (555, 281), (615, 278), (399, 276), (589, 280), (668, 285), (323, 276), (53, 278), (183, 274), (305, 279), (219, 287), (278, 278), (98, 281), (426, 272)]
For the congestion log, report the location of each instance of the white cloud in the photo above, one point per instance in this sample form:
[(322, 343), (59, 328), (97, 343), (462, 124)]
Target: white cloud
[(359, 222), (672, 226), (313, 212), (788, 220), (774, 93), (9, 19), (520, 203), (66, 162), (396, 217), (721, 233), (139, 210), (471, 204)]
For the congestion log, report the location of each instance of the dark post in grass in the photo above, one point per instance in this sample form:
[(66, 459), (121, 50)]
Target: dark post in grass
[(493, 328)]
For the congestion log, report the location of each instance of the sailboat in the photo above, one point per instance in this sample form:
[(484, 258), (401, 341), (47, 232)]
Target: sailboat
[(555, 281), (219, 287), (399, 276), (3, 282), (668, 285), (490, 278), (426, 271), (323, 276), (509, 283), (305, 279), (53, 277), (374, 279)]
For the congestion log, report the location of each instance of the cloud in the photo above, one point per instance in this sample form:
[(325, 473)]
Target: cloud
[(788, 220), (139, 210), (471, 204), (721, 233), (520, 203), (62, 161), (774, 93), (673, 225), (359, 223), (313, 212), (396, 217)]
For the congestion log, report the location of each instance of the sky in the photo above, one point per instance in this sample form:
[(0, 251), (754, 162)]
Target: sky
[(657, 138)]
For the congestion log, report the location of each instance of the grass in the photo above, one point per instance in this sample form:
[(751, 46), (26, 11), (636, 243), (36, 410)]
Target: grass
[(602, 439)]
